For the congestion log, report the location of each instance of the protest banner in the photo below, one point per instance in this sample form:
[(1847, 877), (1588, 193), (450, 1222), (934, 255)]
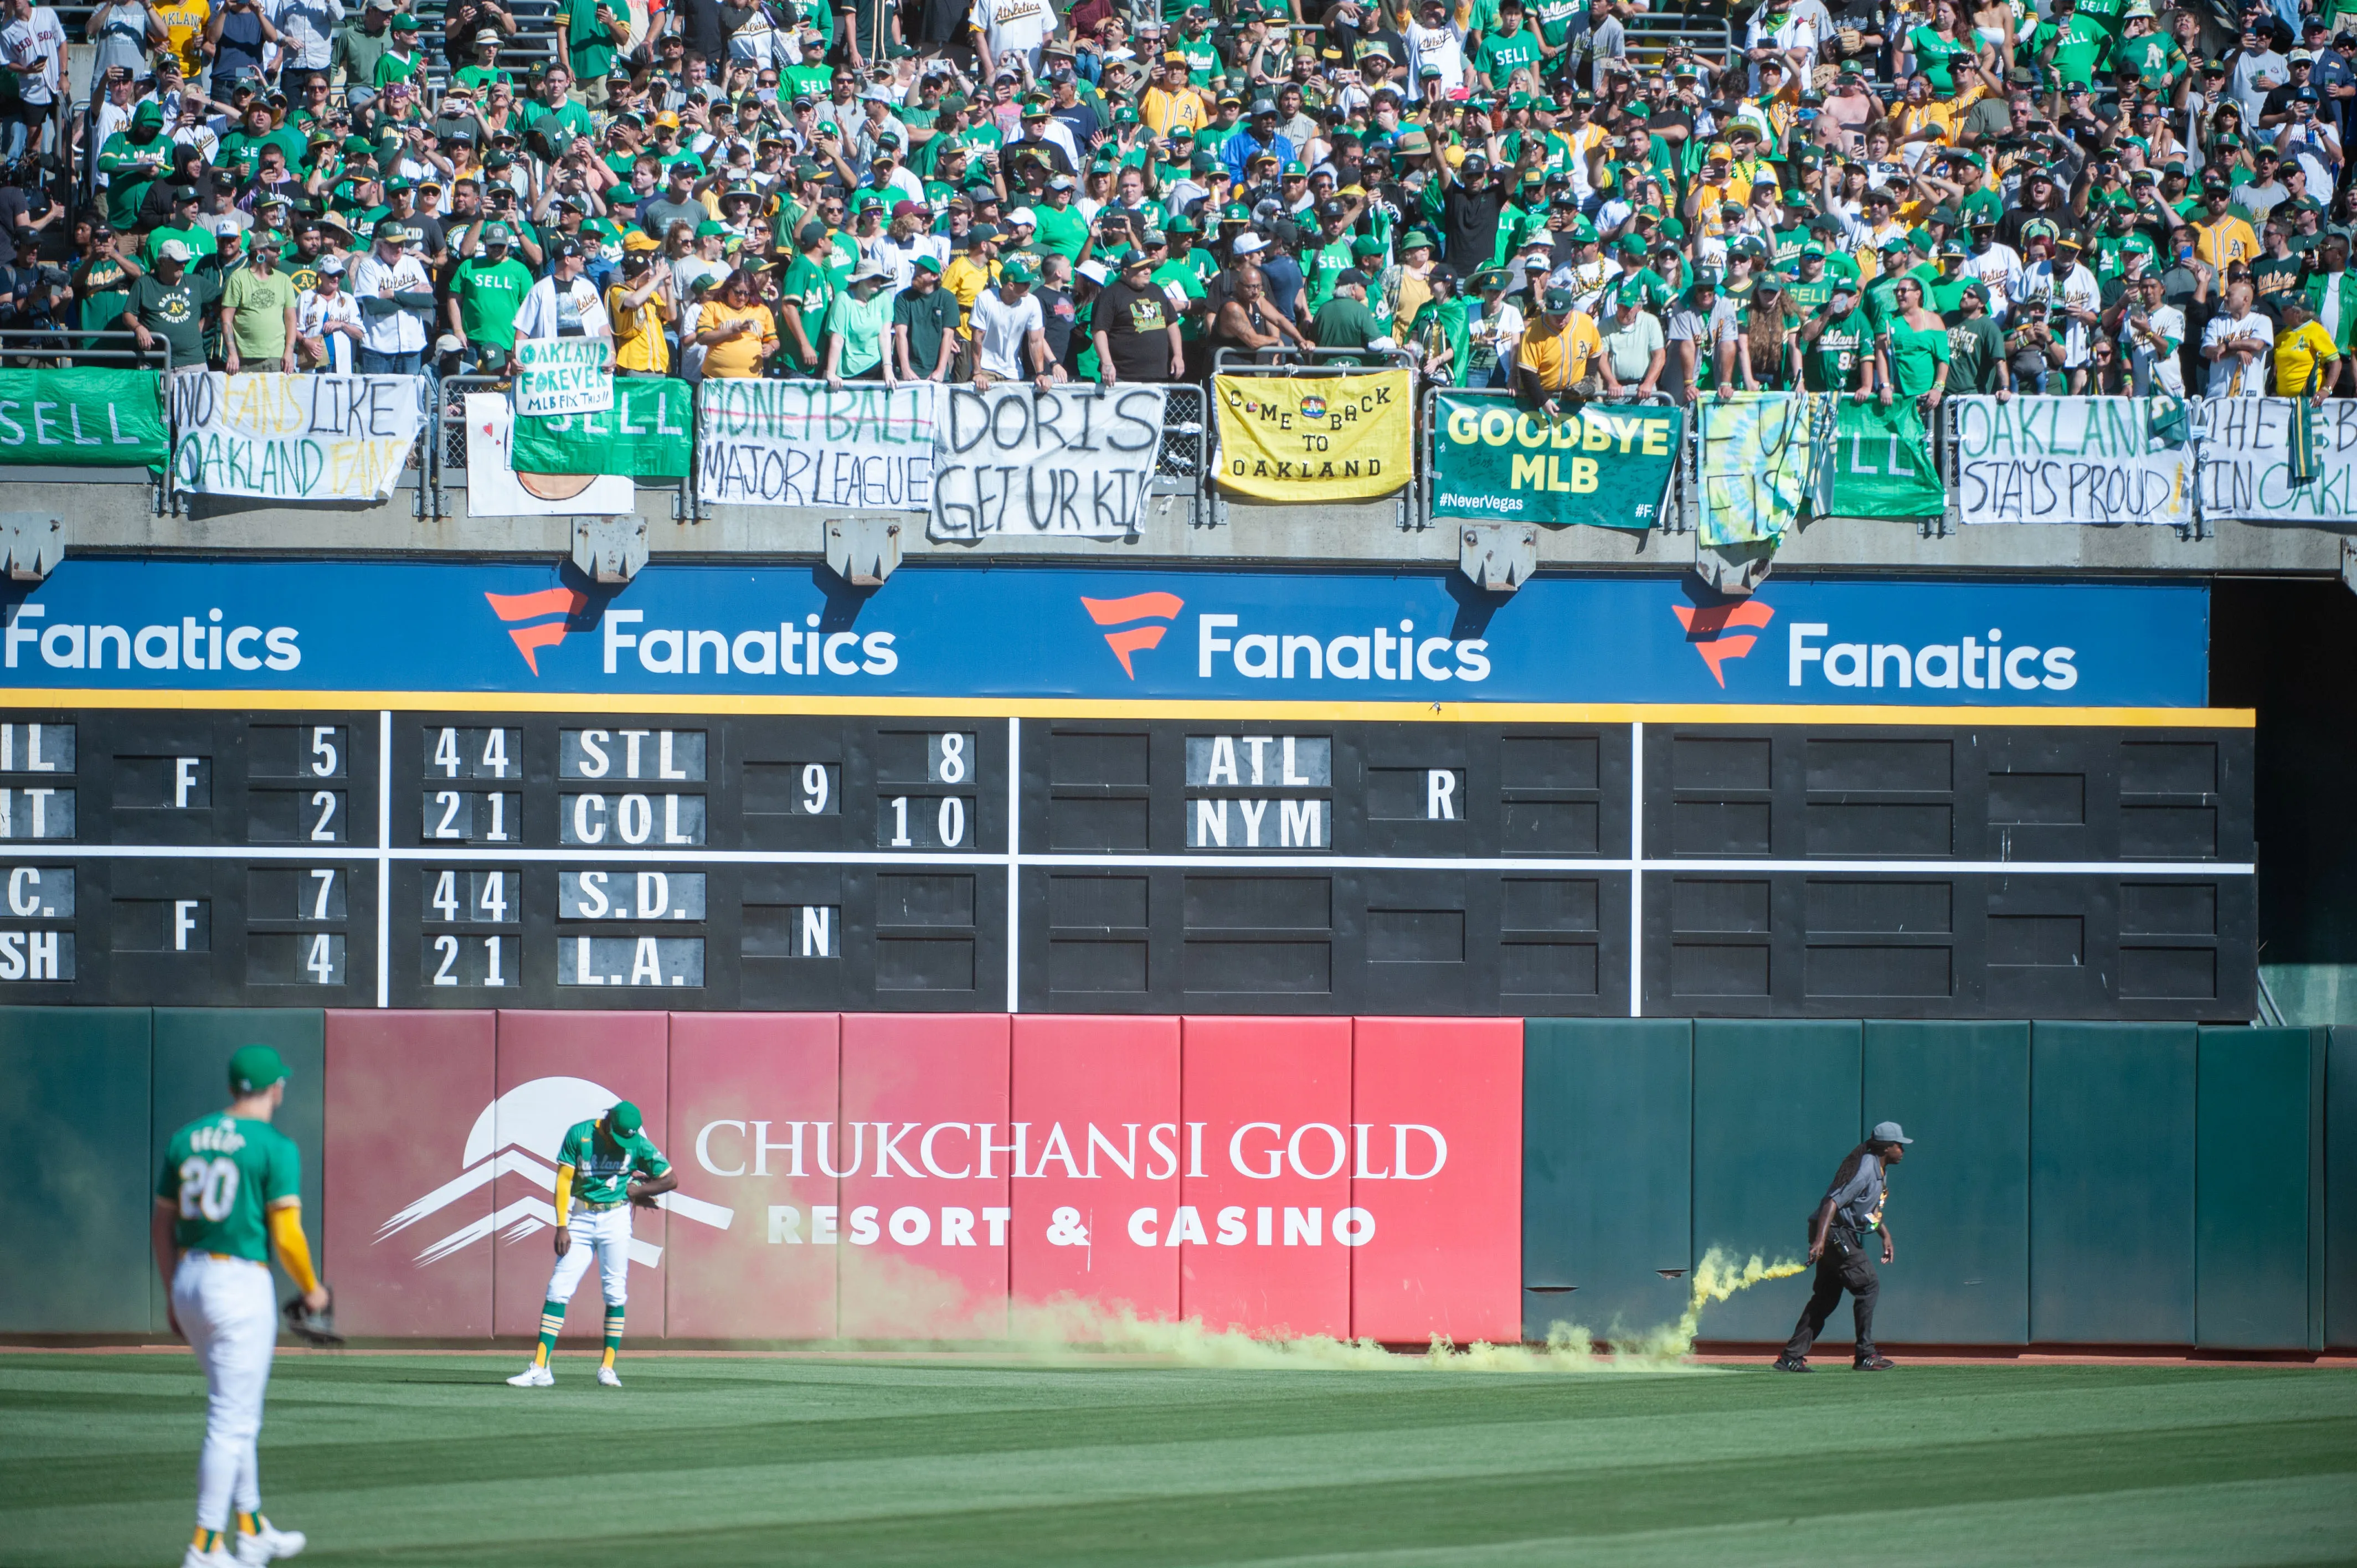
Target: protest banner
[(1759, 457), (644, 436), (1606, 463), (82, 418), (765, 443), (2246, 461), (1879, 463), (494, 488), (1314, 438), (1074, 462), (563, 375), (2070, 459), (305, 438)]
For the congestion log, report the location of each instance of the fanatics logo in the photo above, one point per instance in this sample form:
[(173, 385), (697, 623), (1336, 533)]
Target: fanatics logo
[(516, 1135), (562, 603), (1158, 607), (1707, 630)]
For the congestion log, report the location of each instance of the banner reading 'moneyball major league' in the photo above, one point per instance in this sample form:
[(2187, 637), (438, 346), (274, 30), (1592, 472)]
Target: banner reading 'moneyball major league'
[(1601, 464)]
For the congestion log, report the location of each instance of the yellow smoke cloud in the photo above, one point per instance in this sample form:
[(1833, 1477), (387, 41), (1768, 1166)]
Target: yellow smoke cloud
[(1070, 1326)]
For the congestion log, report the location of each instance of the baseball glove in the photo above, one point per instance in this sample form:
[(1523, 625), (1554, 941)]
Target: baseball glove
[(312, 1327)]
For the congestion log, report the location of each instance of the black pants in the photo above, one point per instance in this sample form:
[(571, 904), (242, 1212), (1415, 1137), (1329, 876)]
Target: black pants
[(1843, 1266)]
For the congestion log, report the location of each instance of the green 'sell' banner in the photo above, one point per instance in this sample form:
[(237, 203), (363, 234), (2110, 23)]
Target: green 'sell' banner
[(644, 435), (82, 418), (1605, 463), (1882, 463)]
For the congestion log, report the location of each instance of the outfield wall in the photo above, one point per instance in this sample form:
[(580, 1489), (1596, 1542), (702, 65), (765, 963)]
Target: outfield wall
[(2086, 1183)]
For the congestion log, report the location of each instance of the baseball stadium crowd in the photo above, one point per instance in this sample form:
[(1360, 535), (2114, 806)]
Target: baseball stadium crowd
[(1906, 198)]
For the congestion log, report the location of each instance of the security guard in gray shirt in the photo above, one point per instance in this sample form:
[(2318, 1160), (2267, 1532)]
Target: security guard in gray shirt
[(1851, 1210)]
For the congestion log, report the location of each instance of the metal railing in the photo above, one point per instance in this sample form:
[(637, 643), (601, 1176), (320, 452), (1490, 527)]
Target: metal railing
[(66, 348)]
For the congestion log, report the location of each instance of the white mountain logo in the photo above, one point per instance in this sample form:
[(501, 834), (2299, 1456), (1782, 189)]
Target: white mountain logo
[(505, 1141)]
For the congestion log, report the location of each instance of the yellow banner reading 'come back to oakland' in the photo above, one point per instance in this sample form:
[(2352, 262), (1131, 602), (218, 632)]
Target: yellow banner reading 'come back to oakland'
[(1314, 438)]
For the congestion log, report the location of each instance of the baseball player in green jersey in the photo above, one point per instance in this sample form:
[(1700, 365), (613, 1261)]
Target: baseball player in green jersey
[(229, 1194), (594, 1171)]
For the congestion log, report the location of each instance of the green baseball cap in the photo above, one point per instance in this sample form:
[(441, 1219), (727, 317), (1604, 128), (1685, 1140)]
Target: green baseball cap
[(624, 1120), (253, 1068)]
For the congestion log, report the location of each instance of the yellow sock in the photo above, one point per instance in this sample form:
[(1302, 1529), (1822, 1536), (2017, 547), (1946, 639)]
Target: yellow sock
[(248, 1523), (609, 1358), (540, 1355)]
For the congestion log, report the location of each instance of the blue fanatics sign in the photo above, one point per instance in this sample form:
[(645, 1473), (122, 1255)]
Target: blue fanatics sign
[(950, 631)]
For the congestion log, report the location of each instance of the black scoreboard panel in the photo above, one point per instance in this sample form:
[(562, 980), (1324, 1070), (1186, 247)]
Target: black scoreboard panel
[(2033, 871), (421, 859), (188, 858), (1293, 868)]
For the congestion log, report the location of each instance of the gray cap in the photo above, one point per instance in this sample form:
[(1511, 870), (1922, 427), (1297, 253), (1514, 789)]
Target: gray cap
[(1889, 1133)]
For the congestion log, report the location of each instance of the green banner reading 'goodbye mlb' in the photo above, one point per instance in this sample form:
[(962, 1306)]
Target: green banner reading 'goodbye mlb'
[(1602, 465), (82, 418), (644, 435)]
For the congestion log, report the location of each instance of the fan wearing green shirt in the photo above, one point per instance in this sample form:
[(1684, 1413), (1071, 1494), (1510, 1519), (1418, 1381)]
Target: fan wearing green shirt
[(1515, 45), (804, 296), (590, 32), (486, 292), (607, 1164), (2071, 45), (1837, 352), (1060, 227), (257, 314)]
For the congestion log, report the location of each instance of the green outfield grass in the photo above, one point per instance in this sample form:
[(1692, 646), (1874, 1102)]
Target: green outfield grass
[(428, 1459)]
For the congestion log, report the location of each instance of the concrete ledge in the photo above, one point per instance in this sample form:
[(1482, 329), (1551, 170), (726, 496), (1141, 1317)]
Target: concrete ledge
[(1219, 532)]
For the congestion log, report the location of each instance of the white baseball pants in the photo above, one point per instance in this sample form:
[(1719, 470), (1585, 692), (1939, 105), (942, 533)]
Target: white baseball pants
[(226, 1309), (607, 1236)]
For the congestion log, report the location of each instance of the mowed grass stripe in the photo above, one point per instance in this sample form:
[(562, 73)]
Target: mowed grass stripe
[(681, 1428), (1277, 1522)]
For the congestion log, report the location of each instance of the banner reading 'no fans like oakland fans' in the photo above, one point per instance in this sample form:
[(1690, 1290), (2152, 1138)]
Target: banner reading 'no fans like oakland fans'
[(1605, 463), (82, 418), (1074, 462), (766, 443), (1314, 438), (299, 438), (2070, 459)]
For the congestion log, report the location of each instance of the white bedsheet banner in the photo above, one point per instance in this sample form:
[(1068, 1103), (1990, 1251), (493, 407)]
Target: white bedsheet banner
[(2070, 459)]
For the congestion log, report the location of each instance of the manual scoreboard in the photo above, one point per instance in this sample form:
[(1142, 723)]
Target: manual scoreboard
[(1455, 866)]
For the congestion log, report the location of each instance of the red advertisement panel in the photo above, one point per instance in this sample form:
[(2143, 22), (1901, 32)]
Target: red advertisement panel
[(924, 1152), (405, 1218), (749, 1092), (1096, 1099), (1265, 1182), (1436, 1170), (555, 1070)]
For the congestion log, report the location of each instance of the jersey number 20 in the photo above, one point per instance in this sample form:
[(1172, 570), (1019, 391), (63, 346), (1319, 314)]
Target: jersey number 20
[(207, 1188)]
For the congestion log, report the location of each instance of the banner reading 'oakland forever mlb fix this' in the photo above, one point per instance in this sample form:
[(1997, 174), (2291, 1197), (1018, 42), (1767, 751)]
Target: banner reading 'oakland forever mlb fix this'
[(1314, 438), (1603, 465)]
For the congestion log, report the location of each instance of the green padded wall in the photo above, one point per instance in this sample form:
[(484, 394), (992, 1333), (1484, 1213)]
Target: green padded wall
[(192, 1052), (1959, 1202), (2251, 1188), (76, 1112), (1775, 1107), (2110, 1183), (1606, 1171), (2340, 1191)]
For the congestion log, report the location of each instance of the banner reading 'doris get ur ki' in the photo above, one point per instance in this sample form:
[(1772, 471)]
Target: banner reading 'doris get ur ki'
[(1314, 438), (82, 418), (299, 438), (1073, 461), (2246, 461), (1603, 464), (867, 445), (2072, 459)]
